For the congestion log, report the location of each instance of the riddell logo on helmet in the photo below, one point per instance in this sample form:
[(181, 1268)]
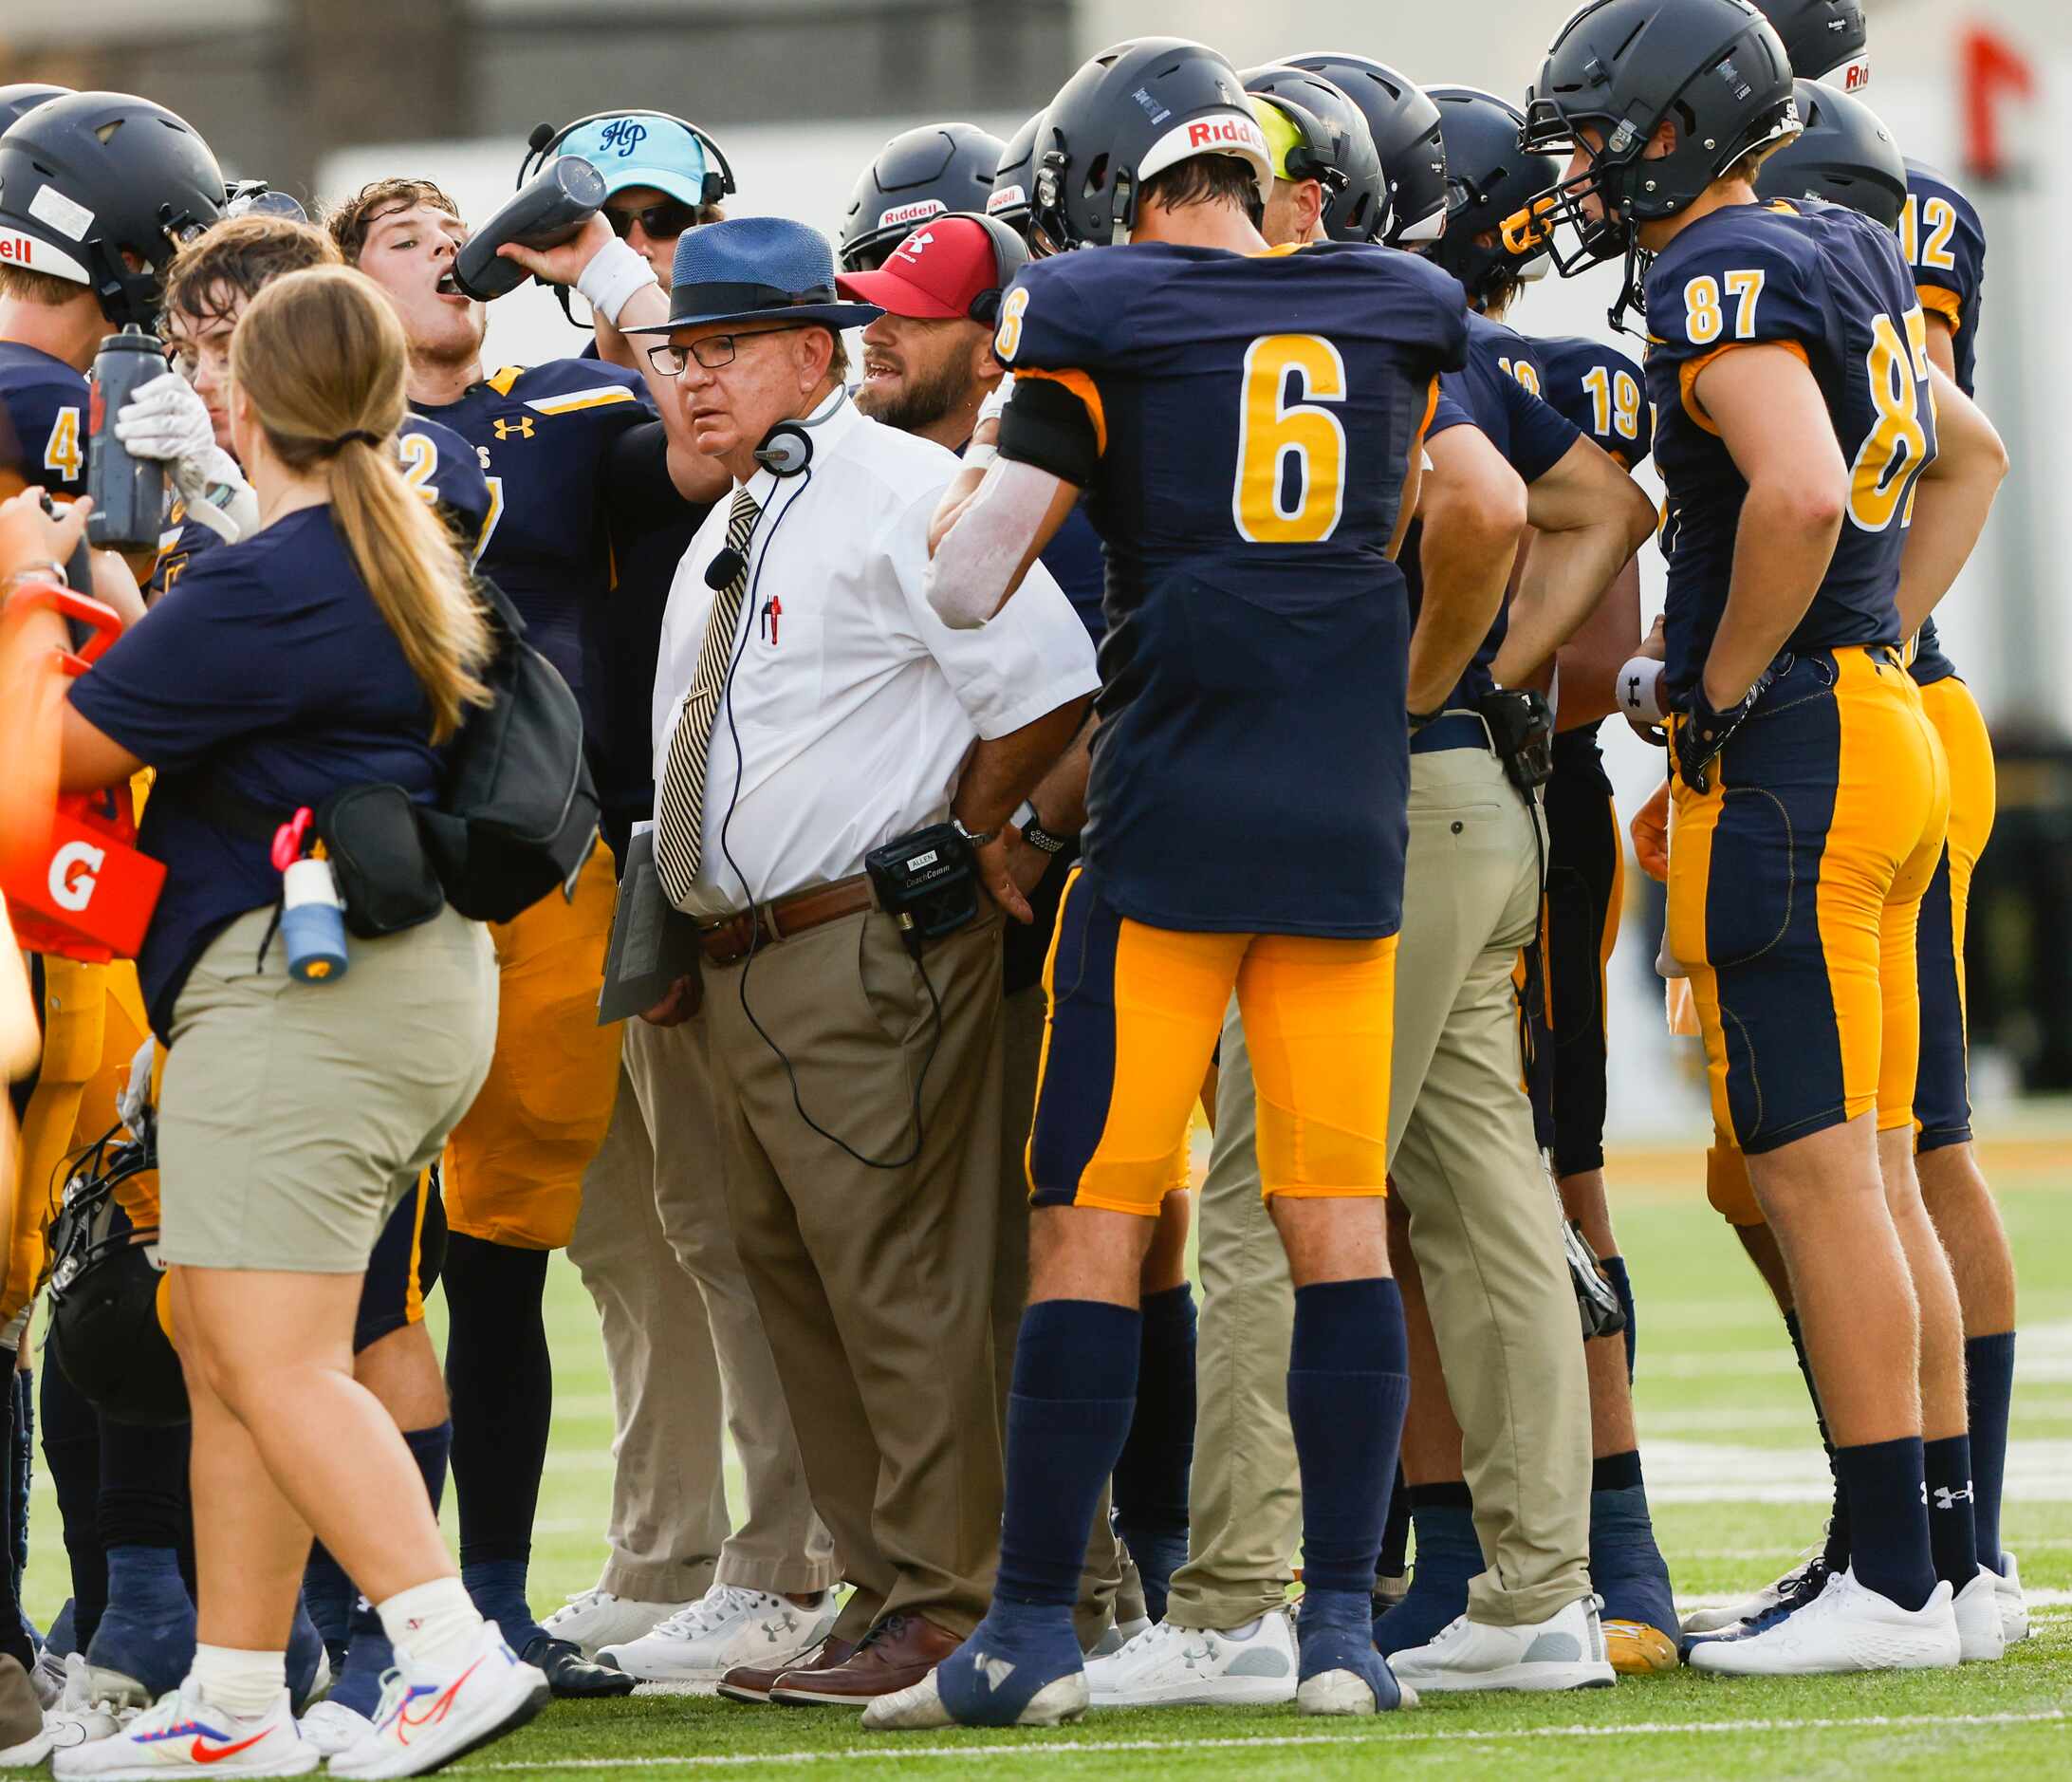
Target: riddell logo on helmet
[(915, 213), (17, 249), (1200, 135)]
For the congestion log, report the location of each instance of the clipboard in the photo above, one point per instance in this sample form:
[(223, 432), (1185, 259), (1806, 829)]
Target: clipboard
[(653, 943)]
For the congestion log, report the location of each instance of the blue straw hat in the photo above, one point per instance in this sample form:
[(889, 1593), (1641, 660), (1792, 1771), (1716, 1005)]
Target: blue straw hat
[(753, 269)]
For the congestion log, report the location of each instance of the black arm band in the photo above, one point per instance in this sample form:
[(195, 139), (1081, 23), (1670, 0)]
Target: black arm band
[(1044, 424)]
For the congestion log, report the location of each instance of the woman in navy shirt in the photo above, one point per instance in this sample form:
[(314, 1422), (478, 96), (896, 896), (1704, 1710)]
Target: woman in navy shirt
[(337, 647)]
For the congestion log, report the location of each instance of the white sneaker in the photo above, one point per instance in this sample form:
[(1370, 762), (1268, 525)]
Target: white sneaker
[(1166, 1666), (77, 1718), (1565, 1651), (1790, 1581), (1846, 1628), (1981, 1638), (597, 1619), (332, 1727), (732, 1626), (430, 1717), (2014, 1620), (918, 1708), (1118, 1634), (187, 1733)]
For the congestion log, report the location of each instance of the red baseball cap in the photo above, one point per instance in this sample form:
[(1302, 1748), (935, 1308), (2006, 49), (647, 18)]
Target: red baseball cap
[(935, 274)]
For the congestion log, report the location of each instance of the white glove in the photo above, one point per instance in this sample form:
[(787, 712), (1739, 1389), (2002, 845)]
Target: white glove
[(166, 421), (134, 1103)]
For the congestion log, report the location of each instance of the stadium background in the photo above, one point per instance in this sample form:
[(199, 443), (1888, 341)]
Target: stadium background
[(319, 96)]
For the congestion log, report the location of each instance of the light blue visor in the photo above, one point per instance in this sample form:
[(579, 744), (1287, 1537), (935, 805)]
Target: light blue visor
[(643, 148)]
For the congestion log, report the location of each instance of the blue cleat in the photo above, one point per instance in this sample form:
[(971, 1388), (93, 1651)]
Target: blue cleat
[(1448, 1556), (1021, 1668), (1341, 1672), (144, 1646), (1641, 1633)]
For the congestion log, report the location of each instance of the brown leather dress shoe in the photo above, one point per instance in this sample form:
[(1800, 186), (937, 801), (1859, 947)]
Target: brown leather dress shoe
[(747, 1682), (901, 1650)]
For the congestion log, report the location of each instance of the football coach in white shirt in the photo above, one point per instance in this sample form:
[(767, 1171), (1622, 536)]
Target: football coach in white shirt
[(809, 708)]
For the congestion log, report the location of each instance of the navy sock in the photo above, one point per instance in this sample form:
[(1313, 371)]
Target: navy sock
[(1614, 1272), (1069, 1414), (1448, 1556), (1952, 1533), (1885, 1484), (431, 1448), (1394, 1559), (1989, 1387), (1348, 1384), (1837, 1551), (1616, 1472), (497, 1588), (148, 1629), (328, 1594), (1447, 1493), (1150, 1475)]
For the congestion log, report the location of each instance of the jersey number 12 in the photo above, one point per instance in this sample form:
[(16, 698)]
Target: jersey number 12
[(1282, 444)]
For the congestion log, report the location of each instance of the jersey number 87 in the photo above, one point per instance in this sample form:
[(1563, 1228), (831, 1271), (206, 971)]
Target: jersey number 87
[(1272, 430)]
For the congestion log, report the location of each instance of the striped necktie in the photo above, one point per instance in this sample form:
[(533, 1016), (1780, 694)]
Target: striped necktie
[(679, 829)]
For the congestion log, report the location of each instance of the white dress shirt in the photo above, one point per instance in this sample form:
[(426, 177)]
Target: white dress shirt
[(851, 706)]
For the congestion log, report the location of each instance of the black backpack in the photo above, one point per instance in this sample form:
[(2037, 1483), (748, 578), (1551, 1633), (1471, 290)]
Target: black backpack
[(516, 816)]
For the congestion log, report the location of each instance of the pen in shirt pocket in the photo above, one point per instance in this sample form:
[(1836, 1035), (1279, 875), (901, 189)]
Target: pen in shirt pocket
[(773, 609)]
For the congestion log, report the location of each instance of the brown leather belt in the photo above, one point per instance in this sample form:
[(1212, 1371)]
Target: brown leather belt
[(733, 938)]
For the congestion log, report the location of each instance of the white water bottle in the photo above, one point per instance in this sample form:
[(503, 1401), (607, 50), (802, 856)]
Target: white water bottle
[(312, 923)]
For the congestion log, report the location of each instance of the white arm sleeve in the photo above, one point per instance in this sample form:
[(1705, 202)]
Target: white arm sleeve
[(971, 575)]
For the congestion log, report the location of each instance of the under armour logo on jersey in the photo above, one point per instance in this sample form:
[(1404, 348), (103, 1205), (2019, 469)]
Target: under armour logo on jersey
[(996, 1671), (1948, 1499), (623, 134), (519, 429)]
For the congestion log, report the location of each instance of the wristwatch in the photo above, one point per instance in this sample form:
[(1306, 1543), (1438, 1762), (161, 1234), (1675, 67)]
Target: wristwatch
[(1042, 838), (985, 840)]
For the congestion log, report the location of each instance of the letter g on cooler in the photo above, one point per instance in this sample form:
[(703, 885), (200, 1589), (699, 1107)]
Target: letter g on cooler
[(75, 870)]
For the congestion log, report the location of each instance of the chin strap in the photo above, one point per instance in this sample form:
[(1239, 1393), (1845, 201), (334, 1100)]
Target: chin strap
[(1633, 292)]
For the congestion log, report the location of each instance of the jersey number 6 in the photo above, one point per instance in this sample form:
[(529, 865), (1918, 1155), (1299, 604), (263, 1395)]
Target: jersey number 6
[(1271, 431)]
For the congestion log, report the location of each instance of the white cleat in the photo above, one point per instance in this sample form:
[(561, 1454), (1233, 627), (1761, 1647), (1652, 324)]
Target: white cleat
[(918, 1708), (1565, 1651), (1789, 1582), (1169, 1667), (1981, 1636), (729, 1626), (1343, 1693), (427, 1718), (1117, 1635), (2014, 1620), (188, 1734), (332, 1727), (597, 1619), (1846, 1628), (79, 1716)]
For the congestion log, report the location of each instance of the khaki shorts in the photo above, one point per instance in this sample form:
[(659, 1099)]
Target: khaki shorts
[(294, 1117)]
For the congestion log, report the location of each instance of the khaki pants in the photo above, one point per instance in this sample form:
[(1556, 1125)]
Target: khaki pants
[(876, 1286), (1483, 1223), (685, 1351), (1109, 1587)]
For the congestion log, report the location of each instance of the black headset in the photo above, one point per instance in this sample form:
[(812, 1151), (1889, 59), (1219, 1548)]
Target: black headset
[(1314, 157), (546, 139), (787, 448), (1009, 255)]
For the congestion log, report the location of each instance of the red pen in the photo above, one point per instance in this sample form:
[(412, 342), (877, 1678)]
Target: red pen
[(773, 610)]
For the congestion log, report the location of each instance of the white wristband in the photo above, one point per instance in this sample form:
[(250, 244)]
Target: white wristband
[(995, 403), (1639, 689), (614, 274), (978, 456)]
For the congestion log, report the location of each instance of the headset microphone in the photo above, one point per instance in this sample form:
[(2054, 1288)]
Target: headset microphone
[(724, 568)]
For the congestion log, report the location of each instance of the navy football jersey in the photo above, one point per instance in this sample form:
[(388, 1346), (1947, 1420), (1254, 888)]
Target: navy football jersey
[(1497, 391), (1255, 416), (567, 449), (1944, 242), (438, 463), (42, 421), (1602, 392), (1830, 284)]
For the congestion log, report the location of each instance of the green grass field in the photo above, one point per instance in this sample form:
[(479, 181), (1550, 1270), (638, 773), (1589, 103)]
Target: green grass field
[(1738, 1480)]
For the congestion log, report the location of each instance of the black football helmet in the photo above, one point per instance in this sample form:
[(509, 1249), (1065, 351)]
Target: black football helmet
[(1127, 115), (1826, 40), (1618, 68), (1014, 180), (1488, 178), (26, 95), (1404, 124), (90, 182), (1337, 149), (919, 173), (106, 1330), (1845, 155)]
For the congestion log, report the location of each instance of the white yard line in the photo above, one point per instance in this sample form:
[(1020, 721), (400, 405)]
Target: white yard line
[(892, 1751)]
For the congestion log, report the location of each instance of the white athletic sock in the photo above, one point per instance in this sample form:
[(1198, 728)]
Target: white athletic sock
[(244, 1683), (433, 1624)]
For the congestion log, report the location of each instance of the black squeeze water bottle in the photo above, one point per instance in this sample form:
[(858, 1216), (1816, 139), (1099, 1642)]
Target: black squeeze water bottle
[(129, 492), (563, 196)]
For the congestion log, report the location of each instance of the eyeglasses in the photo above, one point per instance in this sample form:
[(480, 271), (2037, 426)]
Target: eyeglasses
[(670, 359), (670, 217)]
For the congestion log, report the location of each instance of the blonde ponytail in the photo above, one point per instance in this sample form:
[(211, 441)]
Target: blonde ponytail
[(320, 355)]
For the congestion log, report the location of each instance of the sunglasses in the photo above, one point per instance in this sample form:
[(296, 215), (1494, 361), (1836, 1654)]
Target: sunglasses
[(712, 354), (670, 217)]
